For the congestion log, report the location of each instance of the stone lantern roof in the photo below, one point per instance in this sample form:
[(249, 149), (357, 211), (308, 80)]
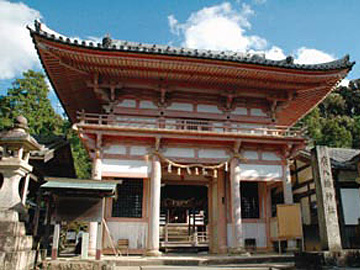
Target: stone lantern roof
[(19, 136)]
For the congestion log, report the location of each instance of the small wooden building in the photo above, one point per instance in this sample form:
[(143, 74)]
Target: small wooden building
[(345, 169)]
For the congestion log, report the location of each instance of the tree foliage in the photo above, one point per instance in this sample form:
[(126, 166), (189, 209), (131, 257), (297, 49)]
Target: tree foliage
[(336, 121), (28, 96)]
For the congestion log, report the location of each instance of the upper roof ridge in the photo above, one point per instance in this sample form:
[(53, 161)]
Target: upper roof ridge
[(226, 55)]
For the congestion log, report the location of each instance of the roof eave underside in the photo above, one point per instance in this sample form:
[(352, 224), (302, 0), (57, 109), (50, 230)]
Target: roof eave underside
[(312, 85)]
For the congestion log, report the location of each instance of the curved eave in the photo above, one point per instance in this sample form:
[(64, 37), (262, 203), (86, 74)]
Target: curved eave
[(310, 84)]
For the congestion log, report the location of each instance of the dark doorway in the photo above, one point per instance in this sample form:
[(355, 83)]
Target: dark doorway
[(184, 216)]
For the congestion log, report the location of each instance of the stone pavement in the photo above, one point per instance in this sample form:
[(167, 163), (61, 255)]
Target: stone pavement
[(173, 262), (220, 267)]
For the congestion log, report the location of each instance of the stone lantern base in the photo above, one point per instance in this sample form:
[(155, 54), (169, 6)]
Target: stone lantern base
[(15, 245)]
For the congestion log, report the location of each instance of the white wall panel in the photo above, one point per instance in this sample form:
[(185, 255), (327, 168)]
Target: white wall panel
[(147, 104), (135, 232), (208, 108), (256, 231), (115, 149), (350, 198), (138, 150), (257, 112), (128, 103), (251, 171), (270, 156), (212, 153), (250, 154), (181, 107), (128, 167), (240, 111), (179, 152)]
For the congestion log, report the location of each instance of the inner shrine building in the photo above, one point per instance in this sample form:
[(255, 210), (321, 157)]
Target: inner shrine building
[(199, 141)]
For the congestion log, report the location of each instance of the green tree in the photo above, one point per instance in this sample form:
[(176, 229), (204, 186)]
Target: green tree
[(336, 121), (28, 96)]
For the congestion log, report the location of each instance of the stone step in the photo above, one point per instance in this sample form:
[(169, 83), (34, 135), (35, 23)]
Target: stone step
[(8, 215), (20, 260), (12, 228), (9, 243)]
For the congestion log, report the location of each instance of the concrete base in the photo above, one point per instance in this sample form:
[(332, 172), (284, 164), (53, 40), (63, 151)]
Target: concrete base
[(153, 253), (15, 246), (238, 250)]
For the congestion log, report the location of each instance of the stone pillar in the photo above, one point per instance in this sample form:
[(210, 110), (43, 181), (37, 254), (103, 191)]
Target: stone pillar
[(326, 200), (93, 227), (99, 241), (154, 217), (55, 244), (288, 197), (287, 187), (237, 244)]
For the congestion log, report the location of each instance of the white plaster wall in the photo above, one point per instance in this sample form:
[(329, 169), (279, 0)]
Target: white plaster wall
[(138, 150), (250, 230), (181, 107), (240, 111), (136, 232), (179, 152), (115, 149), (212, 153), (128, 103), (251, 171), (128, 167), (257, 231), (147, 104), (270, 156), (208, 108), (350, 198), (257, 112), (250, 155)]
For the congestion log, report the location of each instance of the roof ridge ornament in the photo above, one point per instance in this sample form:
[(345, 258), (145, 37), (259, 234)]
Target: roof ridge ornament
[(107, 41)]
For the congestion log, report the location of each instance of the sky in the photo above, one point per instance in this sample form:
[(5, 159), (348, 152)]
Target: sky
[(310, 31)]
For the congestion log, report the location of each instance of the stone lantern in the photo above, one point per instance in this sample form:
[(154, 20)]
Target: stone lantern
[(16, 145), (15, 246)]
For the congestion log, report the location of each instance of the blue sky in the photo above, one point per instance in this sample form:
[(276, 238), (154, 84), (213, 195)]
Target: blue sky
[(311, 31)]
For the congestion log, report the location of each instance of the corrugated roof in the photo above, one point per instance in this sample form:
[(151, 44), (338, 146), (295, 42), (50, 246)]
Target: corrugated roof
[(70, 183)]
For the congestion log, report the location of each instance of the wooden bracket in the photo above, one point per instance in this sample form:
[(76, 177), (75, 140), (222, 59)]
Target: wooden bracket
[(237, 146), (157, 143)]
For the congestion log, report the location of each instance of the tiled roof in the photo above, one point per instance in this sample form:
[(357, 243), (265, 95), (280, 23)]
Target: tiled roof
[(343, 158), (247, 58)]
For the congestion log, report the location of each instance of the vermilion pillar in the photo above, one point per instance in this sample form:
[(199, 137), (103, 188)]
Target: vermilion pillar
[(93, 228), (154, 217), (236, 244)]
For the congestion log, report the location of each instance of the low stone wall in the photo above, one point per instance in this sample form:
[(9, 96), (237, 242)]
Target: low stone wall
[(76, 265)]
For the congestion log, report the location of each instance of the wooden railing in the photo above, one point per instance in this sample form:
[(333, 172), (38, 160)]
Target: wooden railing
[(190, 125)]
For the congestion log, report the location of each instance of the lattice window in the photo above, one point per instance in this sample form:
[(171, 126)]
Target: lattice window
[(249, 200), (194, 124), (129, 199)]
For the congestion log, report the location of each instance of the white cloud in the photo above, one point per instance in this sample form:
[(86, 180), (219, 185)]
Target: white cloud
[(344, 82), (312, 56), (223, 27), (275, 53), (219, 27), (17, 51)]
